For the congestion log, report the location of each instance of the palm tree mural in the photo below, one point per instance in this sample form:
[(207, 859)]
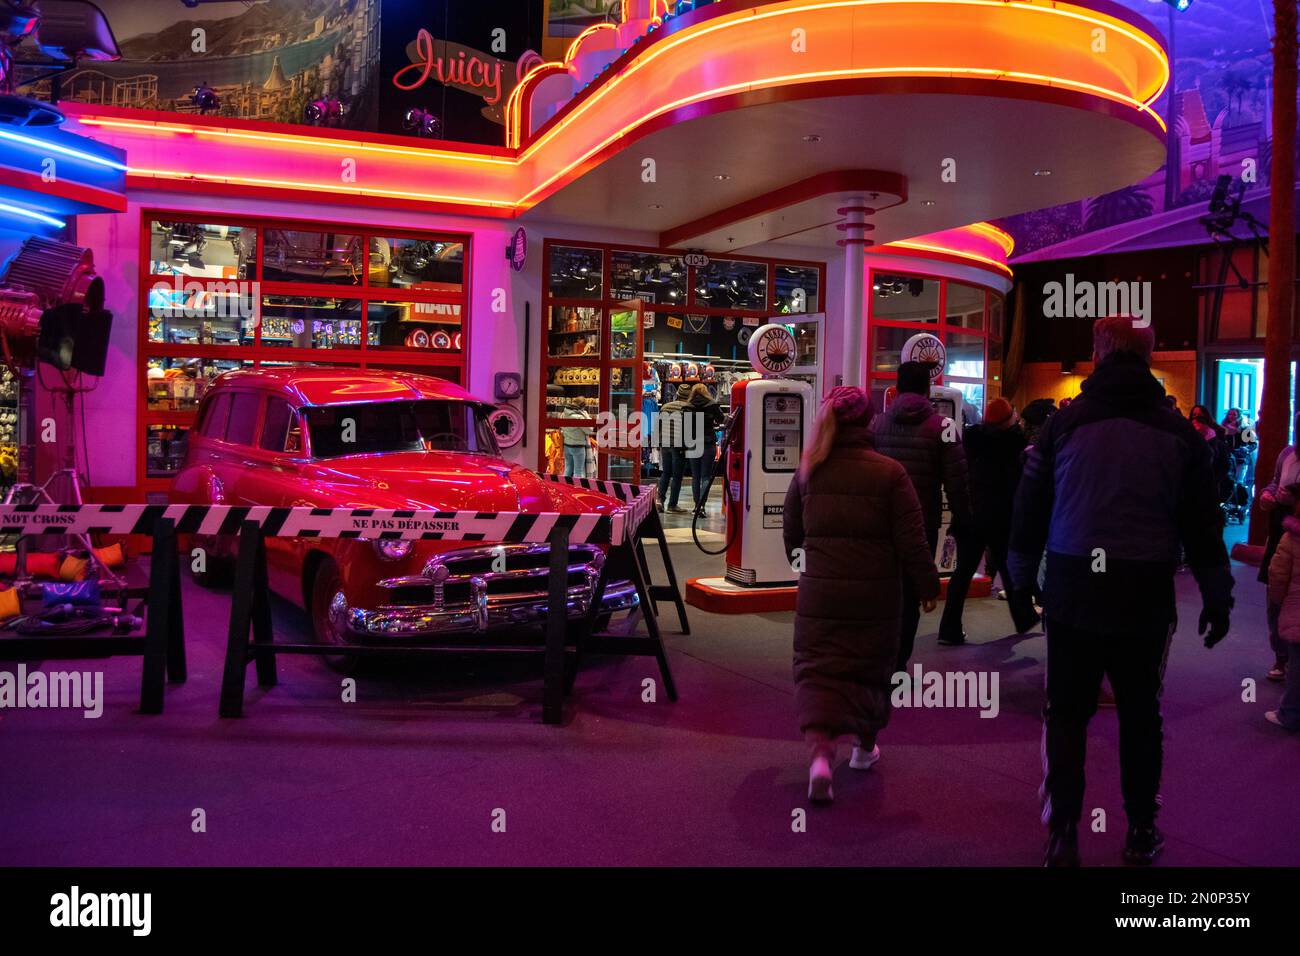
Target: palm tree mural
[(1123, 205)]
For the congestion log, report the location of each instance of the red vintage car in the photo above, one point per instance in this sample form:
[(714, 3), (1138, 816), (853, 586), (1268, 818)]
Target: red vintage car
[(344, 438)]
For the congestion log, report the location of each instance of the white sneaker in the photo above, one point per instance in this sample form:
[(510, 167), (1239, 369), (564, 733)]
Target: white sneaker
[(864, 759), (819, 781), (1273, 717)]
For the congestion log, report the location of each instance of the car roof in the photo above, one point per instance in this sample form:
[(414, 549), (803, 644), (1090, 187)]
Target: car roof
[(308, 385)]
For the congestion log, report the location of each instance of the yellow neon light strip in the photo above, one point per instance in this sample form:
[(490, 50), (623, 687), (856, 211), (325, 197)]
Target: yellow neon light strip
[(957, 253), (572, 51), (866, 71), (1001, 237), (742, 19)]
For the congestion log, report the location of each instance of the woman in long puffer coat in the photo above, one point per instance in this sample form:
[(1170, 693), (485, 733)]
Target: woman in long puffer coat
[(853, 528)]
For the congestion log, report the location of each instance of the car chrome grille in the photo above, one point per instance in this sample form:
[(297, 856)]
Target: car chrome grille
[(470, 577)]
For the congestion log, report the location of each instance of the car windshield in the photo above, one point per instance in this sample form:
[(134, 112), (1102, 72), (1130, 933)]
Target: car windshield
[(368, 428)]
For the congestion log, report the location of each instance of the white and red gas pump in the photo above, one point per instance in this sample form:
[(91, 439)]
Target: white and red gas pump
[(771, 423)]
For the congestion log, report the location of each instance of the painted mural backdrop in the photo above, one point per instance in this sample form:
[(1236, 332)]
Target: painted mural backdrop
[(264, 60), (1218, 107), (270, 59)]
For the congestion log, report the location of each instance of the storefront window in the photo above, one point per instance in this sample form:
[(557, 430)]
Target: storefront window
[(624, 391), (433, 327), (645, 325), (427, 264), (965, 356), (732, 284), (319, 258), (576, 273), (572, 391), (200, 315), (652, 278), (308, 322), (903, 298), (202, 250), (574, 330), (178, 384), (965, 307), (623, 332), (797, 289), (887, 348), (805, 341), (215, 288), (165, 447), (996, 310)]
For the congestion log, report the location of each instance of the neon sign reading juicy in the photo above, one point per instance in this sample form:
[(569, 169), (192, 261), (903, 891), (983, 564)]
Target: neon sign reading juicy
[(478, 73)]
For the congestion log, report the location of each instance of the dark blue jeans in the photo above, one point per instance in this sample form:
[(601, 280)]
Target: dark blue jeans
[(670, 482), (701, 469)]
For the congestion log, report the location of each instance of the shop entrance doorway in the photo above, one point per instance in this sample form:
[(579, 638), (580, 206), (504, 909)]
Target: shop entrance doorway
[(1238, 382)]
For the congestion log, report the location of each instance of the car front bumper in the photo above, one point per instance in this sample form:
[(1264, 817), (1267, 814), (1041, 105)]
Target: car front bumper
[(483, 613)]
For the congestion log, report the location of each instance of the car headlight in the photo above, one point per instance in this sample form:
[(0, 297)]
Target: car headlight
[(393, 549)]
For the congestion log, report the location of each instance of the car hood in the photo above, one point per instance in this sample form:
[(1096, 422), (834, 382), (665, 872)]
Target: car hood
[(446, 481)]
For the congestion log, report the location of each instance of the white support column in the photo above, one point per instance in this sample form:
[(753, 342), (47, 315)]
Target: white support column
[(854, 227)]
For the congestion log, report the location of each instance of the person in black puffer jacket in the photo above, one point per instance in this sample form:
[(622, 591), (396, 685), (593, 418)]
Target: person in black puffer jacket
[(701, 459), (929, 448), (1115, 485), (994, 456)]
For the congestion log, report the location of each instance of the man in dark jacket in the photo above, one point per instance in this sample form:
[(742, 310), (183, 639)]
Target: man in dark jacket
[(928, 447), (1116, 484), (994, 455), (672, 447)]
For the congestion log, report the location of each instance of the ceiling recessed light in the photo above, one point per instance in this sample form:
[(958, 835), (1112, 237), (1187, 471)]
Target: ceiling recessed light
[(722, 177), (1042, 172), (927, 202), (812, 138), (655, 205)]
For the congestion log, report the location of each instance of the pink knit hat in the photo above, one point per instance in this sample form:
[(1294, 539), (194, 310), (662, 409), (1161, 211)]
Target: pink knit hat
[(851, 405)]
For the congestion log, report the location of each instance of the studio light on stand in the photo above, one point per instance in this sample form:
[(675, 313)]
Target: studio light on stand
[(421, 122), (326, 111)]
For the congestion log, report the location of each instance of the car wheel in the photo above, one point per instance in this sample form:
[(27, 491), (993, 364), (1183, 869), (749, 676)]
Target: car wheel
[(217, 569), (327, 623)]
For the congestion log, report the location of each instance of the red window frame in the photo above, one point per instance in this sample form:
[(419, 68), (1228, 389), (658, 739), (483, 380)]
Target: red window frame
[(601, 360), (941, 328), (362, 357)]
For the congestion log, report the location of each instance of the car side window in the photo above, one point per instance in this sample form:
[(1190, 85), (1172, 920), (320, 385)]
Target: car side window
[(279, 426), (242, 428), (216, 416)]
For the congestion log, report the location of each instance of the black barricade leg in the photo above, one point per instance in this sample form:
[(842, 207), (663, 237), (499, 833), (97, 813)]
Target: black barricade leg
[(587, 626), (177, 668), (654, 528), (262, 634), (241, 619), (557, 623), (652, 626), (641, 559), (158, 616)]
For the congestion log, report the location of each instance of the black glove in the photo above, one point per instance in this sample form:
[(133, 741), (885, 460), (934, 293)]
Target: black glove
[(1215, 619)]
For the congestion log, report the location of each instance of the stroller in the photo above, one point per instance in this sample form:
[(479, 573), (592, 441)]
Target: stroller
[(1237, 500)]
